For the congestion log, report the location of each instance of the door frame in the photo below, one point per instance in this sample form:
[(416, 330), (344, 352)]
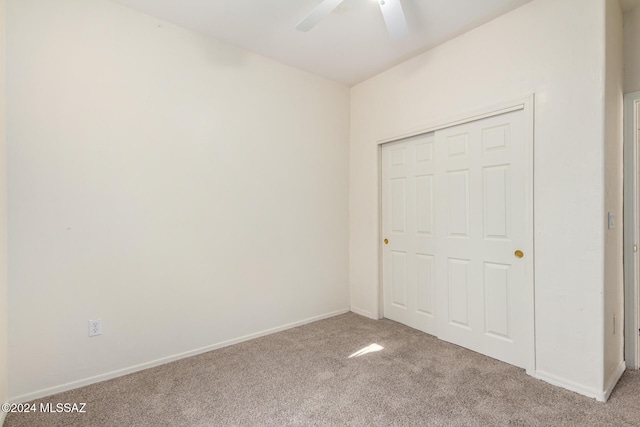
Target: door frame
[(526, 104), (631, 231)]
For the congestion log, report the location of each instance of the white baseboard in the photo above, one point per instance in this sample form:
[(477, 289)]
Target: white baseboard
[(362, 312), (612, 381), (569, 385), (120, 372), (599, 395)]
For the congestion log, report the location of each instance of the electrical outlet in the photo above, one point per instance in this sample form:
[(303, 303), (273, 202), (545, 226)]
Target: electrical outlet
[(95, 327)]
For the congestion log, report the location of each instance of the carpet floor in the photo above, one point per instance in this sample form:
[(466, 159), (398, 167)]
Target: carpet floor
[(305, 377)]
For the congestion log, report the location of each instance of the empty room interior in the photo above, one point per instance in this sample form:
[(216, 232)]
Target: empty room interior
[(182, 178)]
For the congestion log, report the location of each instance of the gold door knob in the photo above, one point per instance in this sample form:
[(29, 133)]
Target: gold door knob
[(518, 253), (386, 241)]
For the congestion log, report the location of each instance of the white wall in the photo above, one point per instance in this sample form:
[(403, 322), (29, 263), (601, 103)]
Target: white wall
[(3, 222), (631, 51), (184, 191), (555, 49), (614, 275)]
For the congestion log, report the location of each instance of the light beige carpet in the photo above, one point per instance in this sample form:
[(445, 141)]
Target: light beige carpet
[(304, 376)]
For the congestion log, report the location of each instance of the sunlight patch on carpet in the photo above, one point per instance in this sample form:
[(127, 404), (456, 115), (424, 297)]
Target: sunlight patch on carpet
[(368, 349)]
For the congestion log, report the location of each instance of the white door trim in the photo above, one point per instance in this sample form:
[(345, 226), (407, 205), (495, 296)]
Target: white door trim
[(471, 116), (631, 230), (527, 105)]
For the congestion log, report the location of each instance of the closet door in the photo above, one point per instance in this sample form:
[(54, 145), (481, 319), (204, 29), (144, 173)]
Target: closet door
[(408, 226), (454, 223), (481, 232)]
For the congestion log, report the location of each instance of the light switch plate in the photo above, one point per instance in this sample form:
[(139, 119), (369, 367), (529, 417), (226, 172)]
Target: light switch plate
[(611, 220)]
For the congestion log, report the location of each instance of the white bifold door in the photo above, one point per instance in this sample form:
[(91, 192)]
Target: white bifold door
[(454, 214)]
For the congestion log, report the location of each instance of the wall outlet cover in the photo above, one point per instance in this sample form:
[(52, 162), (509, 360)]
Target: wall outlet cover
[(95, 327)]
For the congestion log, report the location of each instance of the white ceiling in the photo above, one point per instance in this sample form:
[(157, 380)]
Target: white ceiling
[(348, 46)]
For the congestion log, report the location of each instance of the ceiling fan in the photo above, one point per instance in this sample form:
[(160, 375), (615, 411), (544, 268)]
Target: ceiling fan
[(391, 12)]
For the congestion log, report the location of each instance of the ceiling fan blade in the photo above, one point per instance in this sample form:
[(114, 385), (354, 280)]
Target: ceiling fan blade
[(321, 11), (394, 18)]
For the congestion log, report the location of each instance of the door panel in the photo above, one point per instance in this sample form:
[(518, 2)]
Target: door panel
[(399, 205), (458, 207), (424, 204), (496, 203), (399, 274), (458, 283), (425, 277), (496, 299)]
